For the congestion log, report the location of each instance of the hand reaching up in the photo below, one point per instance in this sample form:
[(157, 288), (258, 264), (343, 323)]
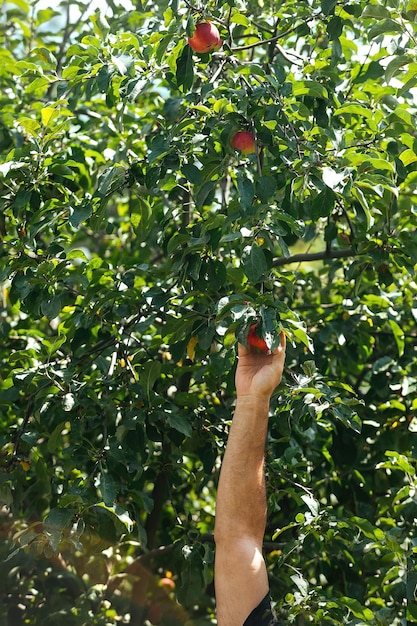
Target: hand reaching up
[(258, 373)]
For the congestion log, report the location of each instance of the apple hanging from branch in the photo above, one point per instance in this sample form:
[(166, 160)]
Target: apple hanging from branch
[(244, 141), (206, 38)]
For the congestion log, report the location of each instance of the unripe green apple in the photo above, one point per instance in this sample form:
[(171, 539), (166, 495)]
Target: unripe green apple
[(206, 38)]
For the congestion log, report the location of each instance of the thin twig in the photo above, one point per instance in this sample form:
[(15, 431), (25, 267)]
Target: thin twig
[(262, 42), (69, 29)]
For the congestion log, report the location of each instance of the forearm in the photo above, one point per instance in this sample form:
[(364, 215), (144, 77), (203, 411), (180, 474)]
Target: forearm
[(241, 498), (240, 571)]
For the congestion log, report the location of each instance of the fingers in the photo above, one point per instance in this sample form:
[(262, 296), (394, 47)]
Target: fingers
[(242, 350), (283, 344)]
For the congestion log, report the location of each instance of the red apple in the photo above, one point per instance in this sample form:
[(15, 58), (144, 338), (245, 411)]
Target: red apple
[(205, 39), (244, 141), (255, 341)]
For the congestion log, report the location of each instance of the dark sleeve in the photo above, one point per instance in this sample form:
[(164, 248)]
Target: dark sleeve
[(263, 615)]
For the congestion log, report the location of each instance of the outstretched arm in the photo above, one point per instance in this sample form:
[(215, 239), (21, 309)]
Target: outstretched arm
[(240, 573)]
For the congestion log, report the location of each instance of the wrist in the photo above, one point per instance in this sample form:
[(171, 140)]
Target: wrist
[(253, 399)]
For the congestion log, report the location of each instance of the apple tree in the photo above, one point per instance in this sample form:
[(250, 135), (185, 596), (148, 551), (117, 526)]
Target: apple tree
[(140, 240)]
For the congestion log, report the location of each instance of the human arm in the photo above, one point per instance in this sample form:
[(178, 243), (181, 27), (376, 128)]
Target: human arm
[(240, 573)]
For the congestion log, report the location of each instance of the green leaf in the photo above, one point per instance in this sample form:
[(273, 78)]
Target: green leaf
[(301, 583), (246, 191), (335, 28), (151, 371), (255, 264), (400, 462), (136, 87), (111, 180), (388, 26), (159, 147), (357, 609), (180, 423), (205, 193), (368, 529), (48, 115), (408, 157), (22, 4), (239, 18), (298, 330), (77, 254), (309, 88), (124, 63), (382, 364), (270, 327), (323, 203), (395, 65), (312, 504), (51, 307), (398, 333), (125, 217), (327, 6), (6, 496), (55, 439), (111, 519), (192, 173), (354, 109), (56, 522), (100, 24), (217, 273), (412, 610), (142, 218), (108, 488), (358, 193), (59, 519), (347, 416), (162, 46), (104, 76), (185, 69), (265, 187), (80, 213), (376, 11)]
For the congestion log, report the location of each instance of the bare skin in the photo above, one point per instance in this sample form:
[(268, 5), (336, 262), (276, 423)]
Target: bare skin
[(240, 572)]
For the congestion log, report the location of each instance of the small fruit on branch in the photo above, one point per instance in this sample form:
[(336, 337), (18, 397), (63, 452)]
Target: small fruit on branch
[(244, 141), (206, 38)]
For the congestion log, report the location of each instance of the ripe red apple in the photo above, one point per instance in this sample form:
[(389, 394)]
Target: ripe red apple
[(206, 38), (244, 141), (255, 341)]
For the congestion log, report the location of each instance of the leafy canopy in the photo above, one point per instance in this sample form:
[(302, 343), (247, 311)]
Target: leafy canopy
[(137, 245)]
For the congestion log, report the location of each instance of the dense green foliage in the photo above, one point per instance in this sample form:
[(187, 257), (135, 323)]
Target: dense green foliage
[(136, 245)]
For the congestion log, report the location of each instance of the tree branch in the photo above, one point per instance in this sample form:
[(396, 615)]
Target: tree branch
[(271, 40), (68, 31), (314, 256)]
